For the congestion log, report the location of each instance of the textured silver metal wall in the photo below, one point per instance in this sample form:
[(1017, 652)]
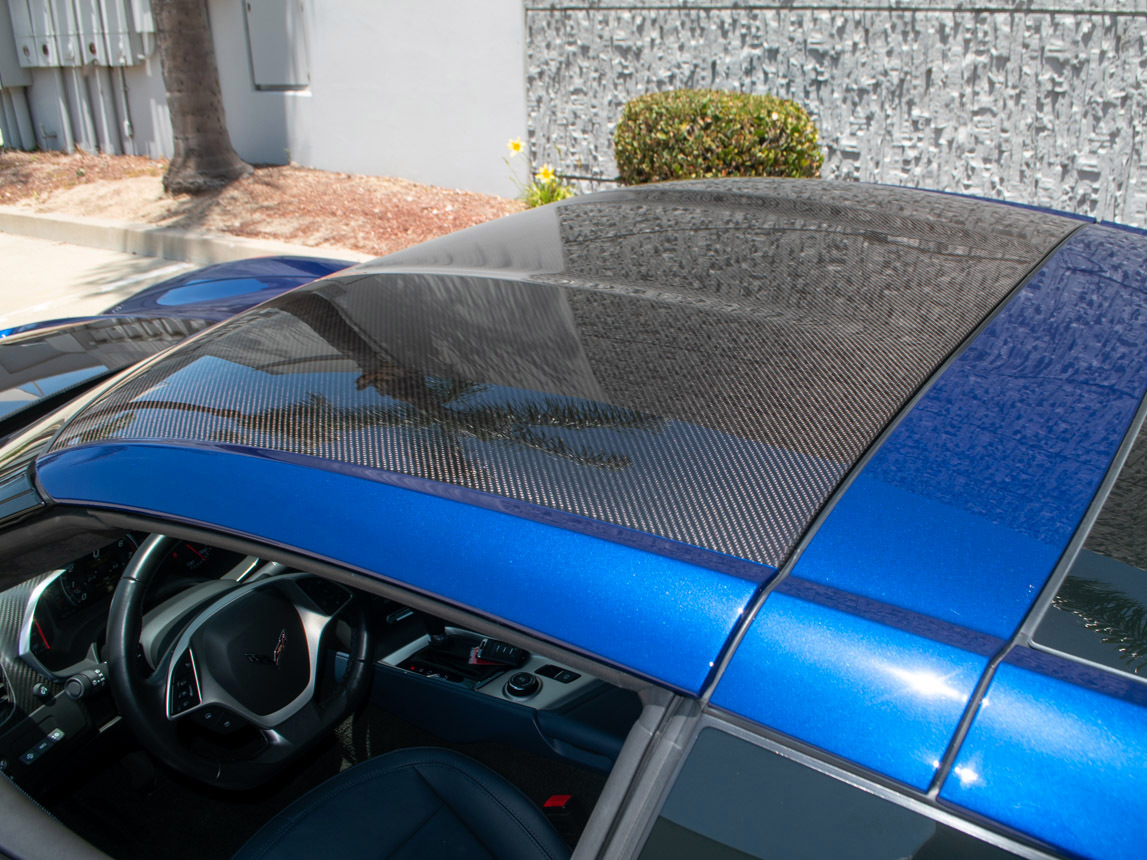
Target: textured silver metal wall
[(1039, 103)]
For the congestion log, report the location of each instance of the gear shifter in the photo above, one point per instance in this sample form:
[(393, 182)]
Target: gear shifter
[(436, 628)]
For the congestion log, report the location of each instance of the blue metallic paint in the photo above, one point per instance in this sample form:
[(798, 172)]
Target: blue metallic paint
[(228, 288), (885, 698), (960, 516), (965, 509), (1040, 740), (660, 617)]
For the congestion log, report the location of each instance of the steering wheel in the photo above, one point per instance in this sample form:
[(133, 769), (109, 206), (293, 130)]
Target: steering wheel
[(250, 658)]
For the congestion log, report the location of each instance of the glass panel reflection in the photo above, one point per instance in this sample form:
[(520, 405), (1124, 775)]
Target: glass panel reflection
[(1100, 611)]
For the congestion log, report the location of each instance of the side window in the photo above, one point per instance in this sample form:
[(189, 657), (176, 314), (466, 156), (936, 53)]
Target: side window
[(735, 800), (1099, 613)]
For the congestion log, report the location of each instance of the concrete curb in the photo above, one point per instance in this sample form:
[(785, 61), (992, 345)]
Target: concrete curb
[(189, 246)]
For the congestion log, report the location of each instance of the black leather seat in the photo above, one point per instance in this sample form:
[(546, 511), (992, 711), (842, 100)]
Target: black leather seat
[(413, 803)]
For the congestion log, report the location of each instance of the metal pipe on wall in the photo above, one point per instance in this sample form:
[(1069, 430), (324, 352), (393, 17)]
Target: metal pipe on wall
[(65, 113), (8, 122), (23, 117), (105, 111), (127, 132), (83, 126)]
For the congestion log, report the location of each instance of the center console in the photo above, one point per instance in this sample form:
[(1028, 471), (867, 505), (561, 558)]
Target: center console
[(467, 688)]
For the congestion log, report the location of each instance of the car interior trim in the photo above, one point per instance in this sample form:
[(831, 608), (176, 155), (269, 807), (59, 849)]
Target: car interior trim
[(364, 581), (30, 833), (548, 696), (24, 642), (643, 793), (8, 707)]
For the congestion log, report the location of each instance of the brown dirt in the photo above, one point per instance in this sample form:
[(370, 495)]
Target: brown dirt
[(373, 215)]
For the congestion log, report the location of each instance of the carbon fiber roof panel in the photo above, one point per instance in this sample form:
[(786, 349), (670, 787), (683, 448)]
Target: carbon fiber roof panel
[(698, 361)]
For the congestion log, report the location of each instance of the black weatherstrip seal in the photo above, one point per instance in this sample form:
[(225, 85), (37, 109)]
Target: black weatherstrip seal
[(763, 591)]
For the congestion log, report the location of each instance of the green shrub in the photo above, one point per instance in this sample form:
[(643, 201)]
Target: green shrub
[(691, 134)]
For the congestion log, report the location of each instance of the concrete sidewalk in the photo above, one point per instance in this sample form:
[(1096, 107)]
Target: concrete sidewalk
[(61, 266), (48, 280), (147, 240)]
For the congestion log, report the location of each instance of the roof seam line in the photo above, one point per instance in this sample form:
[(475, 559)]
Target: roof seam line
[(741, 629)]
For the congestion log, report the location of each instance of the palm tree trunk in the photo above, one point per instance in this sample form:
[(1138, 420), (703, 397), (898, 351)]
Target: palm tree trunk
[(203, 159)]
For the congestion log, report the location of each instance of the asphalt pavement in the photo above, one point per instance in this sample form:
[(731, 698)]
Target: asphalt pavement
[(45, 279)]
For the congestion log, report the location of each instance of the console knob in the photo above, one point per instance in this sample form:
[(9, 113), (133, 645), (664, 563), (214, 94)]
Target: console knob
[(522, 684)]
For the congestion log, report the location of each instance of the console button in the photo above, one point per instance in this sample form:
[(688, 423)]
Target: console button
[(218, 719), (562, 676), (522, 684), (184, 691)]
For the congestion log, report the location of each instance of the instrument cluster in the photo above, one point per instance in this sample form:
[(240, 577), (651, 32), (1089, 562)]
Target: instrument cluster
[(66, 616)]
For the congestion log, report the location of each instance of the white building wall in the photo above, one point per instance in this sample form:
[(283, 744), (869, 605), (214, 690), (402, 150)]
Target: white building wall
[(428, 90), (147, 107)]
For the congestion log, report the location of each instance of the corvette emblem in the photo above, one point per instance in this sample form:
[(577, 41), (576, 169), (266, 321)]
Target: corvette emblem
[(274, 657)]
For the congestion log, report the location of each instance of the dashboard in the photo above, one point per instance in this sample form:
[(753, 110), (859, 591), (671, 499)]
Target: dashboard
[(458, 684), (62, 629)]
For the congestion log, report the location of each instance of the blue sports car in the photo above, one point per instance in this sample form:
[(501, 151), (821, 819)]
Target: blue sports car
[(731, 519)]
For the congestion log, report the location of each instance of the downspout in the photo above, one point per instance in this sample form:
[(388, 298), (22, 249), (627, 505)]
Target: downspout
[(65, 113), (8, 122), (23, 117), (86, 131), (105, 112), (127, 133), (116, 92)]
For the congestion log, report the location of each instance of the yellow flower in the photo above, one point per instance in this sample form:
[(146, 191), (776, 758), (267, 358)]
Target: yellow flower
[(515, 146), (546, 174)]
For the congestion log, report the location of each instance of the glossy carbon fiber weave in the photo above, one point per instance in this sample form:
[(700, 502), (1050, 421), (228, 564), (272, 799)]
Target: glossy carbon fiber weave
[(697, 361), (21, 677)]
